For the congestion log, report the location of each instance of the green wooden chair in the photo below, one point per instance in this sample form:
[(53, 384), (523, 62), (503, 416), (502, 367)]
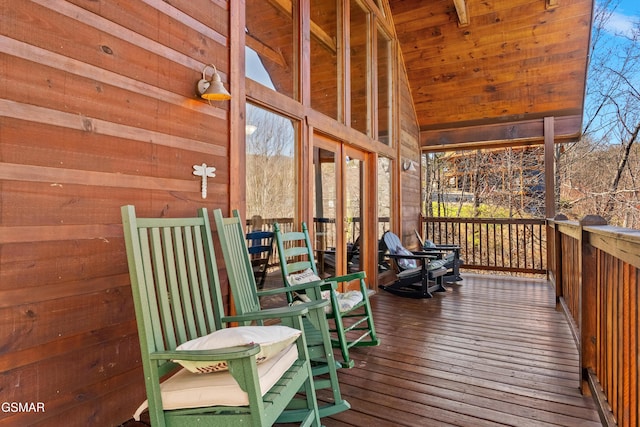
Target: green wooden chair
[(175, 287), (351, 319), (247, 301)]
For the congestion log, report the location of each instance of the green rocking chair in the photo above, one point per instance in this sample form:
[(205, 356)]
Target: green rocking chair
[(351, 319), (247, 301), (178, 308)]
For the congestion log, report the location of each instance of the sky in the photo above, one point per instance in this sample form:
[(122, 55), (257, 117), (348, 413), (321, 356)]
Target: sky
[(623, 18)]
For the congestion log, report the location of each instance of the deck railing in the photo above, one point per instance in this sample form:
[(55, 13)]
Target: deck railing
[(323, 228), (497, 244), (596, 271)]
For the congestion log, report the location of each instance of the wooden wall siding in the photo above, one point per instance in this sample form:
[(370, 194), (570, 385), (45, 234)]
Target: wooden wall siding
[(97, 110)]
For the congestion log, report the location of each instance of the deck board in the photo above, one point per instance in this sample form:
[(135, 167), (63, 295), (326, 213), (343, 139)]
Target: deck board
[(491, 351)]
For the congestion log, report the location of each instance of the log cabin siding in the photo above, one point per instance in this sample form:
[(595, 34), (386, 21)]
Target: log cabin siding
[(97, 110)]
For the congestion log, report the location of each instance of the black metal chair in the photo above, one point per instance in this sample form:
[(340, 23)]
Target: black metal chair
[(260, 246)]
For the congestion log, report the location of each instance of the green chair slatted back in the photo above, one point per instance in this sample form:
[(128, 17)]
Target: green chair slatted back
[(236, 257), (351, 327), (246, 300), (176, 292), (169, 267)]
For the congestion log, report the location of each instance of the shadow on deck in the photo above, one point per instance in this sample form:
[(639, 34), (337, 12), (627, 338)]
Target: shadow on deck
[(491, 351)]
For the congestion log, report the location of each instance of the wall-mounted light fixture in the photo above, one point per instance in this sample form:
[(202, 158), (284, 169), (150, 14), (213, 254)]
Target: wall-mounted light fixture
[(409, 165), (212, 90)]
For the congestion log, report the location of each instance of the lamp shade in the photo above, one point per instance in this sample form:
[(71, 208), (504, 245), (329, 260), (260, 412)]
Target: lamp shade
[(212, 90)]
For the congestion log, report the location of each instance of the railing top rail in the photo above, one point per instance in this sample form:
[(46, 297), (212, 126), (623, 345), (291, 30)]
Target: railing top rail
[(469, 220), (620, 233), (567, 222), (622, 243)]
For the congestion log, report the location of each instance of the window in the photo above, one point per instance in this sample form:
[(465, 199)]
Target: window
[(270, 164), (270, 51), (384, 88), (384, 195), (359, 60), (324, 57)]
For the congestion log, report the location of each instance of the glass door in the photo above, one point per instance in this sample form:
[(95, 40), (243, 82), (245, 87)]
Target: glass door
[(325, 191), (353, 208), (338, 186)]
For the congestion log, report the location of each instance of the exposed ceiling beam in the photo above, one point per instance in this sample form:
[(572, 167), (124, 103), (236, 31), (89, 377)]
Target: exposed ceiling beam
[(526, 132), (463, 15), (265, 51)]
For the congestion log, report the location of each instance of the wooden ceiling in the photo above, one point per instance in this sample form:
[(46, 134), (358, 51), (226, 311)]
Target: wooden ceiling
[(489, 71)]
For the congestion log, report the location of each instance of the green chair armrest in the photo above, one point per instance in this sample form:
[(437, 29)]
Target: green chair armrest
[(228, 353), (349, 277), (270, 313), (322, 284)]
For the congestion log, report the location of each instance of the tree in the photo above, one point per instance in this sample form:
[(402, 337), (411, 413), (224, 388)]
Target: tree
[(271, 183), (611, 127)]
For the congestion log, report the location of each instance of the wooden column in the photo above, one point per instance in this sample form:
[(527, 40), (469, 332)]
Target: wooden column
[(237, 120), (549, 167)]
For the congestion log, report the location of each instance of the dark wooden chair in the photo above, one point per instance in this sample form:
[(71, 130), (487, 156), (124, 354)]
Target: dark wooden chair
[(247, 302), (351, 318), (450, 253), (176, 293), (419, 273), (260, 247)]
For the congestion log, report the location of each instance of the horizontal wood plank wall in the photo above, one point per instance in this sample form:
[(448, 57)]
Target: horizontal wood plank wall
[(97, 110)]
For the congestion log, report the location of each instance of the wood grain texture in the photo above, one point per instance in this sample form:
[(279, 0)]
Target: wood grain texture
[(515, 61), (491, 351), (97, 110)]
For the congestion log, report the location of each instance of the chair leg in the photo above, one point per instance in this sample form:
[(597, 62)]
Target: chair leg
[(341, 341), (313, 416), (369, 314), (318, 320)]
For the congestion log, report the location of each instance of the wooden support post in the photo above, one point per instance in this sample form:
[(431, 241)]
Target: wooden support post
[(588, 301), (549, 167)]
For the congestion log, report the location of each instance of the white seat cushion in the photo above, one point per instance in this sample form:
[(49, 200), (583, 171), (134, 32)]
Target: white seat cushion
[(346, 300), (191, 390), (272, 339)]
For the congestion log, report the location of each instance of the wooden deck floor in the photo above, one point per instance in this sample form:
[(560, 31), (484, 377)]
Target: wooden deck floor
[(491, 351)]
